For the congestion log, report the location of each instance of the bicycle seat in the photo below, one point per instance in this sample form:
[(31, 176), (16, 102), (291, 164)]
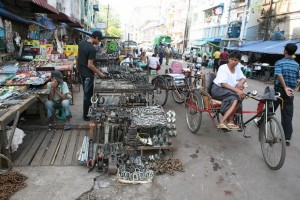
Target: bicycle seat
[(269, 94)]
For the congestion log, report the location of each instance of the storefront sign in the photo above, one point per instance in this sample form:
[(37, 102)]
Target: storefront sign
[(100, 25)]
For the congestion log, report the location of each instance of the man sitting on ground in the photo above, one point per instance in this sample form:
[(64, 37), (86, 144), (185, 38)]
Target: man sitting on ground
[(58, 98)]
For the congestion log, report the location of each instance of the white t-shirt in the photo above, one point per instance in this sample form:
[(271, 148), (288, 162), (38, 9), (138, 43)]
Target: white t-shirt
[(245, 58), (225, 76), (153, 61), (199, 60)]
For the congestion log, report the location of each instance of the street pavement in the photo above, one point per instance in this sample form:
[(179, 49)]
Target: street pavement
[(217, 166)]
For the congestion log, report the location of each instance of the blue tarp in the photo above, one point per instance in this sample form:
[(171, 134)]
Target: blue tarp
[(11, 16), (268, 47)]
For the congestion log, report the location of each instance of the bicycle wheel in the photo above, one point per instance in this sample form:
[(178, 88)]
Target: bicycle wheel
[(272, 142), (194, 116), (179, 92), (160, 91)]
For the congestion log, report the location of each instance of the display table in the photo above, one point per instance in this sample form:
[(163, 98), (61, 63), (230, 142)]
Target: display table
[(10, 115)]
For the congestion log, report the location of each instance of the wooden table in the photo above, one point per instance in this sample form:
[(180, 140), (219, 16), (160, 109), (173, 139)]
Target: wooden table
[(11, 114)]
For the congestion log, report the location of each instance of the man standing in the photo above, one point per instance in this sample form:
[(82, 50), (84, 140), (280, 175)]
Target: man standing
[(161, 51), (224, 57), (87, 69), (58, 97), (287, 72), (168, 53), (216, 56)]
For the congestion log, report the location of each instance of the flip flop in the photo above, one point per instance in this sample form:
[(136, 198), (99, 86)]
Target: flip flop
[(67, 127), (223, 127), (232, 126), (51, 125)]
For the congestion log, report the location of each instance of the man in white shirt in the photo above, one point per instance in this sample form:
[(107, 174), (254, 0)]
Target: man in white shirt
[(228, 87), (153, 62)]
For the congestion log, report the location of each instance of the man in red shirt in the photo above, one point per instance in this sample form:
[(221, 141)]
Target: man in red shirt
[(224, 57)]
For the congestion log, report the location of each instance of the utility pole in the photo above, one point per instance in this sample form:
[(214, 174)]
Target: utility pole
[(187, 28), (107, 18), (242, 32)]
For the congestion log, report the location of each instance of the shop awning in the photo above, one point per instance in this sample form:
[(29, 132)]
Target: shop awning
[(11, 16), (83, 31), (269, 47), (38, 6), (212, 39), (200, 43), (61, 17), (90, 33), (247, 43), (77, 24)]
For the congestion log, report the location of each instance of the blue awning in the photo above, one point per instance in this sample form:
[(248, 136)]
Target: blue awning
[(9, 15), (269, 47), (247, 43), (212, 39), (83, 31)]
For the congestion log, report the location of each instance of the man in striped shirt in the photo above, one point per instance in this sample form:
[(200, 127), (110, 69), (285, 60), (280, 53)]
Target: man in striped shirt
[(287, 72)]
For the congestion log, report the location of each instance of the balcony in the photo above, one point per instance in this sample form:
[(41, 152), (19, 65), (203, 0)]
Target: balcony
[(214, 31)]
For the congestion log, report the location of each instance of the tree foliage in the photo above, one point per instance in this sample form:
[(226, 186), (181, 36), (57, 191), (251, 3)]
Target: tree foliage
[(112, 20)]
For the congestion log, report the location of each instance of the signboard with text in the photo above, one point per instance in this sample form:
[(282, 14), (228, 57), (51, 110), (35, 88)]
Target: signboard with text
[(100, 25)]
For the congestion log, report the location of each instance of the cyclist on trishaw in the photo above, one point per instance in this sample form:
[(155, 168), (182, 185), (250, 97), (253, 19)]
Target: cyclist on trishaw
[(226, 89)]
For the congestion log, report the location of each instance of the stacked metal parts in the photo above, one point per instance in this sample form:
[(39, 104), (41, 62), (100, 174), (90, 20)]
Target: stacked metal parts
[(125, 120)]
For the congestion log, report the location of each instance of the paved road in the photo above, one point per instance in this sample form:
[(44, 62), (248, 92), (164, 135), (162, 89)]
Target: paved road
[(217, 166)]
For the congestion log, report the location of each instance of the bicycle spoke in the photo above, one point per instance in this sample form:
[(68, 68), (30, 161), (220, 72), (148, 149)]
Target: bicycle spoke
[(272, 144)]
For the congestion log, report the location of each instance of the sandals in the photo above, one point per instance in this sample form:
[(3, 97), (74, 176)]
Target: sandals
[(223, 127), (228, 127), (232, 126)]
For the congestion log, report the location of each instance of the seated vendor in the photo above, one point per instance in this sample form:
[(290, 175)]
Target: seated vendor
[(153, 62), (143, 58), (128, 60), (58, 98), (228, 87)]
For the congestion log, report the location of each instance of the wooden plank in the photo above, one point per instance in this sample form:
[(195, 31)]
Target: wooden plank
[(51, 148), (78, 145), (38, 158), (61, 152), (10, 115), (70, 148), (27, 147), (33, 149)]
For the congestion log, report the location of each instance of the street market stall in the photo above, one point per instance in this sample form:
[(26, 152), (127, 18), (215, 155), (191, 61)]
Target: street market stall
[(125, 120)]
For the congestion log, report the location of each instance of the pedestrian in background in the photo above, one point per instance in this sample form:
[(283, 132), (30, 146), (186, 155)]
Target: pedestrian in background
[(216, 56), (168, 53), (287, 72), (161, 51), (224, 57), (87, 69)]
